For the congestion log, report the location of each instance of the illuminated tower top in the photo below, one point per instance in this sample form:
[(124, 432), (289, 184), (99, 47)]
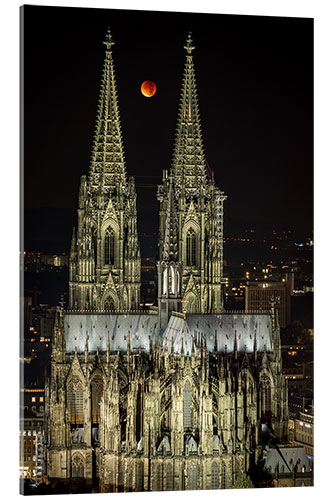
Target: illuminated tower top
[(107, 168), (105, 261), (188, 162)]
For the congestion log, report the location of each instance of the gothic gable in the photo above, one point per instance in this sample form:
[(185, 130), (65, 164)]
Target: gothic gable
[(110, 216), (191, 217), (75, 370)]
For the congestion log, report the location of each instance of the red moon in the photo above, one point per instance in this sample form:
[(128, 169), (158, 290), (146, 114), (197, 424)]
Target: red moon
[(148, 88)]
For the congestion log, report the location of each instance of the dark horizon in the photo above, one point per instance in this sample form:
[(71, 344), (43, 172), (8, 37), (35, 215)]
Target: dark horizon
[(255, 87)]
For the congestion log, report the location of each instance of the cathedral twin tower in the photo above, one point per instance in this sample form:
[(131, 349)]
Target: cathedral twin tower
[(178, 397), (105, 260)]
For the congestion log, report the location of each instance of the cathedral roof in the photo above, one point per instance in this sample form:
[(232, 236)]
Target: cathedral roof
[(286, 458), (248, 328), (244, 329), (118, 327)]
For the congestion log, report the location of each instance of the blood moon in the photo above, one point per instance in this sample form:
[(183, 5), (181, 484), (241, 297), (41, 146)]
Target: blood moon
[(148, 88)]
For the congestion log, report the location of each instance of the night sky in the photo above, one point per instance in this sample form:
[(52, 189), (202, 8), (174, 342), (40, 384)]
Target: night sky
[(255, 87)]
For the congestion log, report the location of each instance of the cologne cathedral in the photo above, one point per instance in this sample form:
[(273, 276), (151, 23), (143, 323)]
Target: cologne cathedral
[(176, 397)]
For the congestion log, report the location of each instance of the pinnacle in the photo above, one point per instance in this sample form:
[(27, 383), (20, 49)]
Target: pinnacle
[(189, 44), (108, 39), (186, 152), (108, 128)]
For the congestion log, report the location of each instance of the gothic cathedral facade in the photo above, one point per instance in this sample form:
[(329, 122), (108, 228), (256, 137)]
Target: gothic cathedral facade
[(177, 397), (105, 261)]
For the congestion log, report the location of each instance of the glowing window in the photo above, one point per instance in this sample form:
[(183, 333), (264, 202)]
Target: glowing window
[(191, 243), (109, 247), (215, 476), (77, 466), (75, 401), (188, 417)]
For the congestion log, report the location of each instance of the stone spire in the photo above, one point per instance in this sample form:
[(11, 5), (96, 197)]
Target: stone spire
[(188, 163), (107, 168), (105, 264), (198, 207)]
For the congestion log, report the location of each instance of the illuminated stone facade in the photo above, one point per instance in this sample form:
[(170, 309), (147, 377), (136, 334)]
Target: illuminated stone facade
[(176, 414), (105, 261), (168, 399), (191, 211)]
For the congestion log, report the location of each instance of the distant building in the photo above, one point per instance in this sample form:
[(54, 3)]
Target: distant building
[(303, 433), (33, 400), (46, 316), (288, 466), (28, 311), (55, 260), (39, 262), (259, 294), (298, 403), (32, 257), (31, 446)]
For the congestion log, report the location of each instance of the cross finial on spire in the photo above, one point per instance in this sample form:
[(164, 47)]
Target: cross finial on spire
[(108, 39), (189, 44)]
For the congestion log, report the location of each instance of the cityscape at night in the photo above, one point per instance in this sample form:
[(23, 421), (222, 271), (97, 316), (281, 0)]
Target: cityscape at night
[(167, 260)]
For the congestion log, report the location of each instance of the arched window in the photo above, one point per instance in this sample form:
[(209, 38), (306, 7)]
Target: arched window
[(165, 282), (224, 479), (172, 278), (108, 303), (109, 243), (75, 401), (77, 466), (191, 303), (188, 416), (193, 477), (191, 247), (157, 483), (215, 476), (265, 397), (96, 395), (169, 478)]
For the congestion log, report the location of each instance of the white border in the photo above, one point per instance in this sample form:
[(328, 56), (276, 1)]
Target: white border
[(322, 12)]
